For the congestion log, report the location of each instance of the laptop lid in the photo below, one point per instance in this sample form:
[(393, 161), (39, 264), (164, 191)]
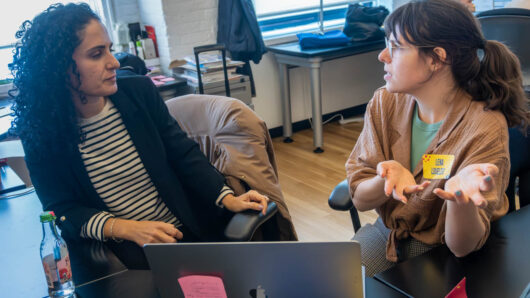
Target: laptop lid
[(261, 269)]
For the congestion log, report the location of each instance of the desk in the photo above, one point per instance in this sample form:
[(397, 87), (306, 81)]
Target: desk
[(140, 283), (97, 272), (500, 269), (290, 55), (173, 88), (21, 273), (167, 90), (9, 180), (130, 284)]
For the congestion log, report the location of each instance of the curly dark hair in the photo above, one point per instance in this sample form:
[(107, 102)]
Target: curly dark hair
[(44, 111)]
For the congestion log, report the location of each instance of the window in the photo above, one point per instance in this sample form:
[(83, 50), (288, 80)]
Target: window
[(286, 17), (11, 18), (500, 3)]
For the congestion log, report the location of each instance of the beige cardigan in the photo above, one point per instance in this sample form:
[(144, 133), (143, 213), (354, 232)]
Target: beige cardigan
[(468, 132), (238, 144)]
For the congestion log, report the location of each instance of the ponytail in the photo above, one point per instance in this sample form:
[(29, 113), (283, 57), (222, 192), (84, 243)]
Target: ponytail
[(499, 84)]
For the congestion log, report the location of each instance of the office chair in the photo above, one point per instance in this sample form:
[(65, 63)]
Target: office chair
[(238, 144), (510, 26), (519, 182), (520, 168), (340, 199)]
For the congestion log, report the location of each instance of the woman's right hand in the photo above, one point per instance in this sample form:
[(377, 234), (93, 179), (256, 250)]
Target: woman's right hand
[(398, 180), (142, 232)]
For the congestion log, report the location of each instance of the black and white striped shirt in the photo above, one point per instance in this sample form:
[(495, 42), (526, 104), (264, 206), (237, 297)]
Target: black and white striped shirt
[(118, 174)]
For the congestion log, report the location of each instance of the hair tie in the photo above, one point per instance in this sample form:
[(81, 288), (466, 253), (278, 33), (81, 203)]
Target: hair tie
[(480, 49), (480, 54)]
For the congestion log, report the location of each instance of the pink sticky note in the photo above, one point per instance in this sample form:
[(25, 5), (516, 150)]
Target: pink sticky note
[(202, 286), (157, 77), (167, 80)]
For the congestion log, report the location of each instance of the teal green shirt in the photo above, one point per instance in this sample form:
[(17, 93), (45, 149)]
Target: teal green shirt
[(422, 135)]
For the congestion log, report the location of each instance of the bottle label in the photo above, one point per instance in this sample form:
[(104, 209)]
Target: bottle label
[(57, 267), (63, 266), (50, 269)]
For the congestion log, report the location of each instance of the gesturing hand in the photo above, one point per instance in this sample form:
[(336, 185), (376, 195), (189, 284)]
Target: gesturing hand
[(475, 182), (143, 232), (249, 200), (398, 180)]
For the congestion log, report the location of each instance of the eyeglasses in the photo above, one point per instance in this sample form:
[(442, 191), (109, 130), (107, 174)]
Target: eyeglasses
[(390, 45)]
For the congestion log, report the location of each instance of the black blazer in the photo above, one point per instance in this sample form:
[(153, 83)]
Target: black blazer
[(186, 181)]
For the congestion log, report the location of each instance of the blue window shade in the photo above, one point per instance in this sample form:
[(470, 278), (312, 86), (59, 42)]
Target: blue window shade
[(500, 3), (304, 19)]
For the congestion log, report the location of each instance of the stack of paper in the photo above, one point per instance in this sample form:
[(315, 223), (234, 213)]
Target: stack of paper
[(211, 68)]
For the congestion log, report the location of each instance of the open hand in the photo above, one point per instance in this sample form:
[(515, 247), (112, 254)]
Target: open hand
[(474, 183), (249, 200), (398, 180)]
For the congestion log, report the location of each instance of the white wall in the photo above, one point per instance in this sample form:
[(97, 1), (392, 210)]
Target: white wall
[(152, 13), (346, 82), (182, 24), (126, 11)]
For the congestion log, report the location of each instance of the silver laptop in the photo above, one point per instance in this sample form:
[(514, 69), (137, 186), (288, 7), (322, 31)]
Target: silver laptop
[(258, 269)]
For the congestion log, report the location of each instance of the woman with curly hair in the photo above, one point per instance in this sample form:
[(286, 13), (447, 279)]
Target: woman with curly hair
[(102, 152), (433, 157)]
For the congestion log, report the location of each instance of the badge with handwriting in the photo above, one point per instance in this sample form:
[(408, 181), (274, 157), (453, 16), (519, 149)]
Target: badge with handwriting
[(437, 166)]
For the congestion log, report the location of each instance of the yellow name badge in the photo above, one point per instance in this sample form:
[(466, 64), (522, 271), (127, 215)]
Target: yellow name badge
[(437, 166)]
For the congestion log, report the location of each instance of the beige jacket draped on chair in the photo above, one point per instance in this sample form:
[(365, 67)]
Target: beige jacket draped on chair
[(238, 144)]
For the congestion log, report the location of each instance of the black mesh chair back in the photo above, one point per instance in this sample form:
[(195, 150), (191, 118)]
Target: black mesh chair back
[(510, 26), (520, 168)]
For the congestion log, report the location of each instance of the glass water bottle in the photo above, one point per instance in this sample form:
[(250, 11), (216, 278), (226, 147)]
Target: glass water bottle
[(55, 259)]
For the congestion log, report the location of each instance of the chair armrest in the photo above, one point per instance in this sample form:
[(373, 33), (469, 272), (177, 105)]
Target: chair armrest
[(340, 198), (243, 225)]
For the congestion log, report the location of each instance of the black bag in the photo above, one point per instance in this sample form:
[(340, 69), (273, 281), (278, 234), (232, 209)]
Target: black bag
[(130, 64), (364, 23)]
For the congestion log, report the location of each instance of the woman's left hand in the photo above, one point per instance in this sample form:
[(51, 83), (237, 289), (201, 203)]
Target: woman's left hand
[(249, 200), (474, 183)]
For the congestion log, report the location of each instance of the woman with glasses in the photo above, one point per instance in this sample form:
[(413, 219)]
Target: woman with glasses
[(432, 158)]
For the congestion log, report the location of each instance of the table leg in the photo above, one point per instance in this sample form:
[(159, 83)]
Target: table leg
[(286, 103), (316, 101)]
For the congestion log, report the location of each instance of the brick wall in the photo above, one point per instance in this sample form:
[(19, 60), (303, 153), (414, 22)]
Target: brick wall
[(190, 24), (180, 25)]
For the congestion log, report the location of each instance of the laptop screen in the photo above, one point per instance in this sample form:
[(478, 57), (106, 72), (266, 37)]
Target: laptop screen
[(258, 269)]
